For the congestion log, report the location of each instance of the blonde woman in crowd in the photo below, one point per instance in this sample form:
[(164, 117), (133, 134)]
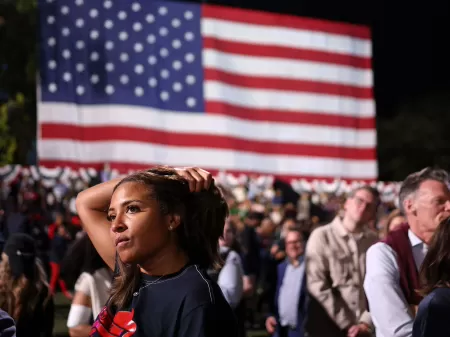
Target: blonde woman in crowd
[(24, 291)]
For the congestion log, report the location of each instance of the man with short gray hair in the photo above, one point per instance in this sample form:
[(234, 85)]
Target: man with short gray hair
[(392, 266)]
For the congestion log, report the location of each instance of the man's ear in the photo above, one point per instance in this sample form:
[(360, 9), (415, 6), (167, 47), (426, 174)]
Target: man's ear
[(173, 221), (409, 206)]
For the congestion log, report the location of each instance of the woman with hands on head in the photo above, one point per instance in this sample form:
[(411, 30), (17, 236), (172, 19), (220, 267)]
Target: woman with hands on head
[(164, 224)]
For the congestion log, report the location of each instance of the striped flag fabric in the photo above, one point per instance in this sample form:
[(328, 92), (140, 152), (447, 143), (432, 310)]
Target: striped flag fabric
[(138, 83)]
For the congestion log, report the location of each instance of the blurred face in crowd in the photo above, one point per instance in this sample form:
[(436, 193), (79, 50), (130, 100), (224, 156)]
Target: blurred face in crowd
[(62, 231), (425, 207), (253, 220), (59, 219), (229, 235), (294, 245), (266, 228), (396, 223), (361, 207), (287, 225)]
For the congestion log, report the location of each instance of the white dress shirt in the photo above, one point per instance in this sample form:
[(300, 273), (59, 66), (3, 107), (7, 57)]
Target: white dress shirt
[(391, 314)]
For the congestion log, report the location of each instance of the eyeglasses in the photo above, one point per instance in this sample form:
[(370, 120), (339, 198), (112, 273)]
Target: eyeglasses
[(294, 242), (360, 201)]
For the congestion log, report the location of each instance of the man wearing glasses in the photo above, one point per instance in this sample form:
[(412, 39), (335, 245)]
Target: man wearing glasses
[(290, 297), (335, 270)]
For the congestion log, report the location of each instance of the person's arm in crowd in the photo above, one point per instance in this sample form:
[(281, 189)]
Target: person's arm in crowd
[(231, 280), (80, 315), (390, 312), (364, 326), (277, 252), (92, 206), (271, 320), (366, 318), (249, 284), (319, 283)]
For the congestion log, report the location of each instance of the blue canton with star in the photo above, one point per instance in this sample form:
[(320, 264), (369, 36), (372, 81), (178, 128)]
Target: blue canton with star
[(143, 53)]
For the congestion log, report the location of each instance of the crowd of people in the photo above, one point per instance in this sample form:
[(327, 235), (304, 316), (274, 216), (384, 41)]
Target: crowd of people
[(172, 253)]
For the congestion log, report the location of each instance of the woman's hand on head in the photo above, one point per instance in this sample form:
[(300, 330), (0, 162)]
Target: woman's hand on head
[(198, 178)]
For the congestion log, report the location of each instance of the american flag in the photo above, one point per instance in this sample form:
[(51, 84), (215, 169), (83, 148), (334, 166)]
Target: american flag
[(138, 83)]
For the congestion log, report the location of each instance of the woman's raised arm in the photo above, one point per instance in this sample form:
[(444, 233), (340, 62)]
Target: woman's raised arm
[(92, 207)]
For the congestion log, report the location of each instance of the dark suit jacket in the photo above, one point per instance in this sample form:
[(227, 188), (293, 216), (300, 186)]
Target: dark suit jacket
[(302, 303)]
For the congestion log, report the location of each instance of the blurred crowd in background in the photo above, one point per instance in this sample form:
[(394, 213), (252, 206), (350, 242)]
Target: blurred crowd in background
[(259, 218)]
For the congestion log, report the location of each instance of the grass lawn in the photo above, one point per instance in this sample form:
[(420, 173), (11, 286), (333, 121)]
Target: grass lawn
[(62, 310)]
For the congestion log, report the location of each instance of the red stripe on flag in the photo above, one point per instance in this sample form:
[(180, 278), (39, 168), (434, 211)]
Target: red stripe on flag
[(286, 53), (116, 133), (124, 167), (280, 116), (286, 21), (276, 83)]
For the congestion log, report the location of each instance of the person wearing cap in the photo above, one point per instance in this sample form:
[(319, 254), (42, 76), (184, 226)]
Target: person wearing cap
[(24, 291)]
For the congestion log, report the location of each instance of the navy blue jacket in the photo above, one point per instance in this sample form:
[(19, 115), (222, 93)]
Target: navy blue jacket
[(432, 316), (7, 325)]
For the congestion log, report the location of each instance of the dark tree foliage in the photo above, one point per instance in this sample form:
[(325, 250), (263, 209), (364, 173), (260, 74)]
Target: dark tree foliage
[(18, 29), (417, 136)]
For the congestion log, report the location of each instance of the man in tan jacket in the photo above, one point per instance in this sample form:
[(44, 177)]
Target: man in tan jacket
[(335, 269)]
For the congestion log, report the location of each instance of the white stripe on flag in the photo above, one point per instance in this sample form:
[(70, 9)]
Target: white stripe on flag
[(201, 123), (145, 153), (288, 100), (286, 37), (287, 69)]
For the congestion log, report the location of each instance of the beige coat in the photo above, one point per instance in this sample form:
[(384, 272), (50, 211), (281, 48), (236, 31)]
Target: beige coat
[(335, 269)]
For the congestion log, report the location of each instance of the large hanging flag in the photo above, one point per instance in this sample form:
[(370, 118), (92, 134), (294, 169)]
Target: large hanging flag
[(155, 82)]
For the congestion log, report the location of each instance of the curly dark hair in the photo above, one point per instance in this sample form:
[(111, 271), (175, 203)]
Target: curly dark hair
[(203, 217)]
